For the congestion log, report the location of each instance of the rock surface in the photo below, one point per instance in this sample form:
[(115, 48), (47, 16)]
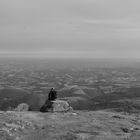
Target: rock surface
[(98, 125), (22, 107), (56, 106)]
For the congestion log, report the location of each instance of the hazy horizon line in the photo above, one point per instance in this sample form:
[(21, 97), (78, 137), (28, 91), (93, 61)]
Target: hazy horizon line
[(70, 58)]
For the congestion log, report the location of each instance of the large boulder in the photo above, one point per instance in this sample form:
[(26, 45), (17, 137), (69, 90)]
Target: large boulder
[(56, 106), (22, 107)]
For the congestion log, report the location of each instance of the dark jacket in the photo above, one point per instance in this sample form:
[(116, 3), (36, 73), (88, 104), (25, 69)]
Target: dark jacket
[(52, 95)]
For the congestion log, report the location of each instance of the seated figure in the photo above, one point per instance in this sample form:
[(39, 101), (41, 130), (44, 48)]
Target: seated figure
[(52, 95), (48, 104)]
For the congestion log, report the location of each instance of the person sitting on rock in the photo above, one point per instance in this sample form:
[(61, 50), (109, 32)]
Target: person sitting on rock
[(52, 95)]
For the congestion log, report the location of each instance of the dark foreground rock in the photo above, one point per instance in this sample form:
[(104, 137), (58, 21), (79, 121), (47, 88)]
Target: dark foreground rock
[(56, 106)]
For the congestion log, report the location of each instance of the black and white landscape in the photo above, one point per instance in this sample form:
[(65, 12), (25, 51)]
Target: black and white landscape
[(85, 50)]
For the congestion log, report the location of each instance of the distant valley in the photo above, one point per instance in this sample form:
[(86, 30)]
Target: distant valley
[(84, 87)]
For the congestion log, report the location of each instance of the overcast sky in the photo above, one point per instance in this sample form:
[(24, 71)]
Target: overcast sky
[(70, 28)]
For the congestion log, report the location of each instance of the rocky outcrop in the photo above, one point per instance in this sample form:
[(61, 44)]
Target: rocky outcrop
[(56, 106), (22, 107)]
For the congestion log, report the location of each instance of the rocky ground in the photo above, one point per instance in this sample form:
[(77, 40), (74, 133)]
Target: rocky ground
[(76, 125)]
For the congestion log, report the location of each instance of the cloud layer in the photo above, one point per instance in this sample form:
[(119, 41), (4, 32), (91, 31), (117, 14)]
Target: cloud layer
[(70, 28)]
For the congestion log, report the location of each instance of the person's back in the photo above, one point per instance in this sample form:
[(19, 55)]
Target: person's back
[(52, 95)]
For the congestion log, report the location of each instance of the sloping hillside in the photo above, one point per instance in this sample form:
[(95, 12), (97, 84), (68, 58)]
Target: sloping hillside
[(10, 98), (128, 101), (78, 96)]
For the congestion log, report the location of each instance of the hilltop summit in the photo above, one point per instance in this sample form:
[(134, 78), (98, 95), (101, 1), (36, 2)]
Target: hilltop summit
[(78, 125)]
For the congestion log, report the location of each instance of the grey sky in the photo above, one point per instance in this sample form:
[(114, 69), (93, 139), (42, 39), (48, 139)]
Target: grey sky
[(70, 28)]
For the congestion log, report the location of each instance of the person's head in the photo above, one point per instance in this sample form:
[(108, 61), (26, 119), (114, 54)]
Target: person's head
[(52, 89)]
